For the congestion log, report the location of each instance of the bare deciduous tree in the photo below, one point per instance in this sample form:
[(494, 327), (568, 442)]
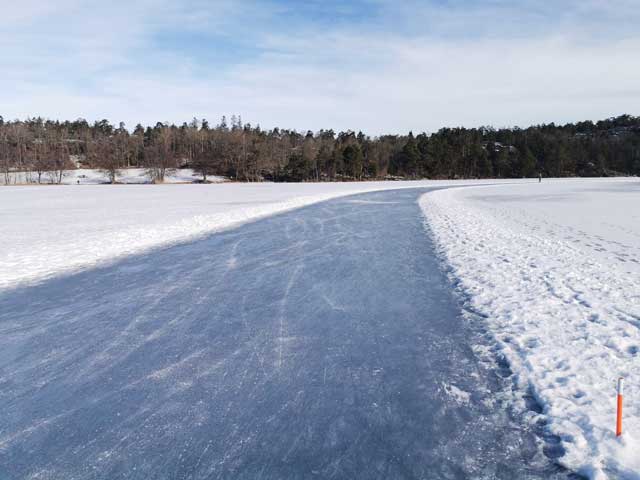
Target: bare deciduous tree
[(160, 157)]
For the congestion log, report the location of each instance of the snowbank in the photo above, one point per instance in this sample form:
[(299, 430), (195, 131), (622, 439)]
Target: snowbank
[(555, 268), (48, 230)]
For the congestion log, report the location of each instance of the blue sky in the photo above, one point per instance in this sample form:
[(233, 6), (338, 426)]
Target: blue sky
[(378, 65)]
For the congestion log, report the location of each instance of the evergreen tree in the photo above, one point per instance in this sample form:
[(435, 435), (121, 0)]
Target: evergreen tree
[(297, 168), (410, 157), (42, 148), (353, 161)]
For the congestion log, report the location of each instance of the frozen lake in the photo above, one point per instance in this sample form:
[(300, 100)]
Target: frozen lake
[(321, 343)]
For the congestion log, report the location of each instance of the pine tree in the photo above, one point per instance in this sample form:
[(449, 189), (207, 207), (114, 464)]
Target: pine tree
[(353, 161), (410, 157)]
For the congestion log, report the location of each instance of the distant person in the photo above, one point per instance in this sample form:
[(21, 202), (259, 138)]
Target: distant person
[(540, 177)]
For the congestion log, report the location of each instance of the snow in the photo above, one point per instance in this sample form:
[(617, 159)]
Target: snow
[(84, 176), (49, 230), (321, 343), (555, 269)]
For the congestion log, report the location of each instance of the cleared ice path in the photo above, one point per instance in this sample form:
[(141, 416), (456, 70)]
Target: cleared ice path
[(321, 343)]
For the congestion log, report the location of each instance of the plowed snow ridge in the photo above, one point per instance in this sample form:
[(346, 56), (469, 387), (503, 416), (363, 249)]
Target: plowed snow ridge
[(556, 270)]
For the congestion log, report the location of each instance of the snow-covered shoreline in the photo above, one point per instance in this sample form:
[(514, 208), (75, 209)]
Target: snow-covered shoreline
[(555, 270), (89, 176)]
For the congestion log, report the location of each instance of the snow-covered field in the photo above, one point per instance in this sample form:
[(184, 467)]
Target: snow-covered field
[(555, 269), (48, 230)]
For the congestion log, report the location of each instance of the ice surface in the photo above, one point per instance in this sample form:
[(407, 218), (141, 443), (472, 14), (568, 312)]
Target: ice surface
[(322, 343), (555, 268)]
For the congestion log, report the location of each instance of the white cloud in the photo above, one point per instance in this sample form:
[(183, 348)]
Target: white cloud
[(378, 78)]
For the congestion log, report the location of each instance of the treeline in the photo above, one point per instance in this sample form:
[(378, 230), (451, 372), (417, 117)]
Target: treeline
[(43, 149)]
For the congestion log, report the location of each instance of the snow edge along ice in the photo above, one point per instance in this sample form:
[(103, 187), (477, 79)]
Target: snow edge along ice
[(34, 260), (29, 257), (564, 323), (144, 239)]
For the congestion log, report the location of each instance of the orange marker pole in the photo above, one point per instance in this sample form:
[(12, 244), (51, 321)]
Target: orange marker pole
[(619, 416)]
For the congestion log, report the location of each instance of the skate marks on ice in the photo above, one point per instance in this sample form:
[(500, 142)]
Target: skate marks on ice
[(321, 343)]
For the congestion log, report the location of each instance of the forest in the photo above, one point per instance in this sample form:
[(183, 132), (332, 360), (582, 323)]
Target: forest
[(45, 149)]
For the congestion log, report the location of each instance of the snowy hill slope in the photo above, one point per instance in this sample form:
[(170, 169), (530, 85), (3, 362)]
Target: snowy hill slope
[(555, 268)]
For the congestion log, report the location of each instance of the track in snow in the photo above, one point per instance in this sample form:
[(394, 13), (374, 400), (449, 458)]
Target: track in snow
[(321, 343)]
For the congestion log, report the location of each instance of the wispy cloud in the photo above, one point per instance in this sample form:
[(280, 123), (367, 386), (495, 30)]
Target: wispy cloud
[(375, 65)]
